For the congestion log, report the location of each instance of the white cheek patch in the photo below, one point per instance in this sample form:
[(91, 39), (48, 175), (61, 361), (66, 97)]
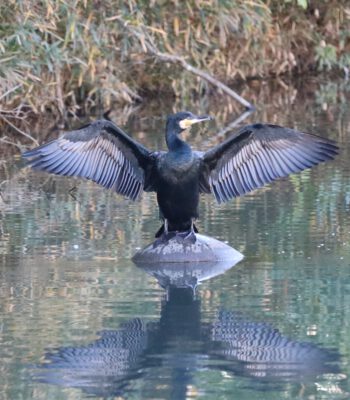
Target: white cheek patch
[(185, 123)]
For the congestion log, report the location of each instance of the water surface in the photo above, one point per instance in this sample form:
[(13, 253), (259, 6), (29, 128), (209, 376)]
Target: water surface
[(78, 319)]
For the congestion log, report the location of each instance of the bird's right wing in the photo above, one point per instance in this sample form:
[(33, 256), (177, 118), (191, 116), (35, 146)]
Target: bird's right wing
[(258, 154), (101, 152)]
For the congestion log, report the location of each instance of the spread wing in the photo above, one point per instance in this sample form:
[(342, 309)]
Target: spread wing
[(258, 154), (101, 152)]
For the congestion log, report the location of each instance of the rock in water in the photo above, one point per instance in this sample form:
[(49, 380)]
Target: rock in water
[(179, 250)]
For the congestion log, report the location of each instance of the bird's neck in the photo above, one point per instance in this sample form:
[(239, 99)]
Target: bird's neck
[(173, 141)]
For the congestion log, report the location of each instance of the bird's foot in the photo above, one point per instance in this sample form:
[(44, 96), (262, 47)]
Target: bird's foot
[(164, 238), (188, 236)]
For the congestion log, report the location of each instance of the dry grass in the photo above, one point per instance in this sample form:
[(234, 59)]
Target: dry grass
[(74, 56)]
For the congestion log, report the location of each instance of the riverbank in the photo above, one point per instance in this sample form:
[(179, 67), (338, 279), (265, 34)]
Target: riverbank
[(273, 97), (69, 57)]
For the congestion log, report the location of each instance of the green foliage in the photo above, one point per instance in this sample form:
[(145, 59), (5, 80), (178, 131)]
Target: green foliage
[(301, 3), (326, 56)]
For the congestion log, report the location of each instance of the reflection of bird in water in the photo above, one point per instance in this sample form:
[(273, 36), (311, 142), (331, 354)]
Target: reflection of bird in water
[(181, 344), (263, 352), (165, 354), (104, 363), (255, 155)]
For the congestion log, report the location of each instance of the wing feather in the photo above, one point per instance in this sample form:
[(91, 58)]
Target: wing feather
[(259, 154), (101, 152)]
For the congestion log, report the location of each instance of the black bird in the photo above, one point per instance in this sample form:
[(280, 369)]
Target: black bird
[(255, 155)]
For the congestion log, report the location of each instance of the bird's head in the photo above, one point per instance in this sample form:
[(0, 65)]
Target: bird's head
[(184, 120)]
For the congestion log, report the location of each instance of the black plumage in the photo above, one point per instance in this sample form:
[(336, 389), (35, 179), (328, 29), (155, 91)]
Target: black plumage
[(255, 155)]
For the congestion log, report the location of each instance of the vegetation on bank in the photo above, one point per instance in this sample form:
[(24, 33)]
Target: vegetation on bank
[(68, 56)]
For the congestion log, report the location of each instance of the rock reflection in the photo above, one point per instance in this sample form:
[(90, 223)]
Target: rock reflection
[(172, 276), (165, 355)]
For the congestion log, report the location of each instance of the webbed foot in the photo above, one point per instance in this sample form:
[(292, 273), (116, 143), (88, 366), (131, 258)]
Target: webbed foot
[(164, 238), (188, 236)]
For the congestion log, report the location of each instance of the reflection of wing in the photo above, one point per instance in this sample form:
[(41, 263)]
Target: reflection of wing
[(258, 154), (264, 352), (100, 364)]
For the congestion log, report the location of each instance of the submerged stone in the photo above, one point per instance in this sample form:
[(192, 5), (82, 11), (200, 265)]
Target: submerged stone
[(178, 249)]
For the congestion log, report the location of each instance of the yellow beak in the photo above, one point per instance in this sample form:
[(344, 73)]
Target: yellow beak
[(186, 123)]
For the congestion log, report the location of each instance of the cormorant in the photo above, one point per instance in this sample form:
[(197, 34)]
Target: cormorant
[(257, 154)]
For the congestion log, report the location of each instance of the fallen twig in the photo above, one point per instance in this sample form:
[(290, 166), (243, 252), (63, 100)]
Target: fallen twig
[(4, 140), (10, 91), (227, 128), (209, 78), (19, 130), (148, 45), (222, 132)]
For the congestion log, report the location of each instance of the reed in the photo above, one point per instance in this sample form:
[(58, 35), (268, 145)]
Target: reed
[(71, 56)]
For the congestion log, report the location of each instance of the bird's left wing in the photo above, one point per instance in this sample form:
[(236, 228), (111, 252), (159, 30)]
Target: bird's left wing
[(101, 152), (258, 154)]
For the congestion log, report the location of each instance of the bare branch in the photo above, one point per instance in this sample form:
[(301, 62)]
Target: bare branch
[(10, 91), (204, 75), (148, 45), (233, 124), (212, 140), (27, 135)]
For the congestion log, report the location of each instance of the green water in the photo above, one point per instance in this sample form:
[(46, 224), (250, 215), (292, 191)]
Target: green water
[(78, 319)]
